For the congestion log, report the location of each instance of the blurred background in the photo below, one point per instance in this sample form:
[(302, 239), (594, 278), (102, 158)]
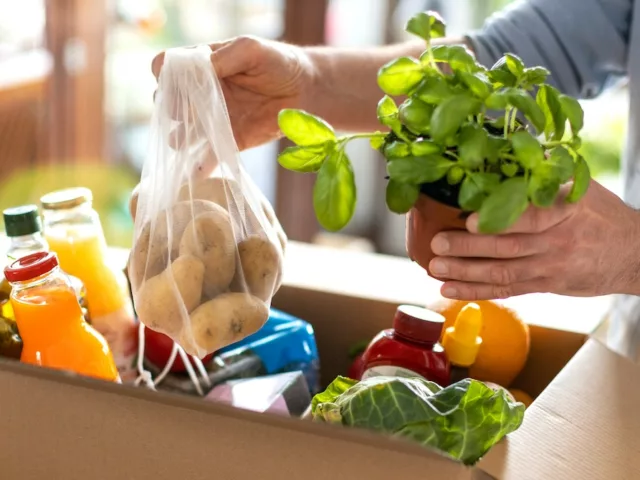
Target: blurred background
[(76, 99)]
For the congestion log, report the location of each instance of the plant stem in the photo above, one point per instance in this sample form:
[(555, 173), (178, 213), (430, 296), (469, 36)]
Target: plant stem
[(506, 121), (512, 122), (348, 138)]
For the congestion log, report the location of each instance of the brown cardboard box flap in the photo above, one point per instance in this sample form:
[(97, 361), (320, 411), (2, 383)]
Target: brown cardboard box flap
[(585, 425), (77, 429)]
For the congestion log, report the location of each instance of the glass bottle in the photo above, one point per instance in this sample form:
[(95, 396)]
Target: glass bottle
[(23, 228), (50, 321), (74, 232)]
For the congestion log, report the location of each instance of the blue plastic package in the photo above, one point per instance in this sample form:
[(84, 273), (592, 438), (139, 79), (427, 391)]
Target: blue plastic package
[(284, 344)]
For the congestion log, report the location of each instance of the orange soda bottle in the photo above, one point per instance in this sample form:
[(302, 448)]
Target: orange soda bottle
[(49, 318)]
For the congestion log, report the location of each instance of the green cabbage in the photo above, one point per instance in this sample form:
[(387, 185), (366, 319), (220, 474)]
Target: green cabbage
[(463, 420)]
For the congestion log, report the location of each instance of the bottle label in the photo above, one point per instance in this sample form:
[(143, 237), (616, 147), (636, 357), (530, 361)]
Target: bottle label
[(389, 371)]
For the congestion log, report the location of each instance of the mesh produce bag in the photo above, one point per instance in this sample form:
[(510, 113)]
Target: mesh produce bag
[(208, 250)]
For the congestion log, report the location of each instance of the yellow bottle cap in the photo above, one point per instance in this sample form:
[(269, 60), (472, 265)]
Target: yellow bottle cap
[(462, 341)]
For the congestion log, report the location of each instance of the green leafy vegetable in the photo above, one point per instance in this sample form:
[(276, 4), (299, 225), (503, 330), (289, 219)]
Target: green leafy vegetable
[(302, 159), (426, 25), (399, 76), (555, 119), (400, 197), (415, 115), (334, 193), (475, 188), (304, 129), (581, 180), (504, 206), (472, 146), (463, 420), (418, 170), (449, 115), (527, 149)]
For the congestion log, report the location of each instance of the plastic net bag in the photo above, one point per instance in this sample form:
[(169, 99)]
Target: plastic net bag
[(208, 250)]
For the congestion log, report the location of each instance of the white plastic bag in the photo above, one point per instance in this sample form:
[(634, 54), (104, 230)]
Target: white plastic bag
[(208, 249)]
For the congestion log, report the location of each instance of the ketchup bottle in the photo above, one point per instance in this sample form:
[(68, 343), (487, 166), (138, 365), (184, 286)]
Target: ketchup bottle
[(411, 348)]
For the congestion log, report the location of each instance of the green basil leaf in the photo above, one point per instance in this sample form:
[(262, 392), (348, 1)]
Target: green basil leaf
[(449, 115), (548, 100), (535, 75), (419, 170), (415, 115), (495, 147), (478, 83), (334, 192), (514, 64), (475, 188), (400, 197), (527, 149), (472, 146), (500, 75), (504, 206), (426, 25), (542, 190), (440, 53), (399, 76), (560, 165), (455, 175), (424, 147), (435, 89), (303, 159), (527, 105), (386, 107), (461, 59), (572, 109), (377, 142), (498, 100), (509, 169), (581, 181), (304, 129), (396, 149)]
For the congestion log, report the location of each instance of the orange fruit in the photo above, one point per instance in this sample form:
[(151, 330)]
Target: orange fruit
[(521, 396), (505, 340)]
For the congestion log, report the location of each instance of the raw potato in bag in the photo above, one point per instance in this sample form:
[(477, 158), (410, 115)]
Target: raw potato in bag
[(208, 249)]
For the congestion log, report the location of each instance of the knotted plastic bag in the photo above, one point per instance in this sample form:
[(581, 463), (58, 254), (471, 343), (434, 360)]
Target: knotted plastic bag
[(208, 250)]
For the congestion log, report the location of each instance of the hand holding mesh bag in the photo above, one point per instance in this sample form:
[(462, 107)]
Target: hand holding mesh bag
[(208, 249)]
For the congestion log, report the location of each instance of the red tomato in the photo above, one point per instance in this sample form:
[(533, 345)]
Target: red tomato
[(157, 349)]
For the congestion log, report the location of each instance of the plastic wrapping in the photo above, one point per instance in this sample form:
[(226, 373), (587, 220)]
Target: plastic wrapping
[(208, 250)]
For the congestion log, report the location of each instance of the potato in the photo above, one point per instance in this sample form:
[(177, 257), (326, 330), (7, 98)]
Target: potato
[(163, 300), (149, 257), (226, 319), (260, 267), (214, 189), (209, 237)]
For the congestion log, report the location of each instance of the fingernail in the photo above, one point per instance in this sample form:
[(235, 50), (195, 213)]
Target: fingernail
[(450, 292), (472, 223), (440, 244), (438, 267)]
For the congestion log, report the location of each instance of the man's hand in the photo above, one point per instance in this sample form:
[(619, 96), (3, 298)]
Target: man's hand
[(258, 78), (585, 249)]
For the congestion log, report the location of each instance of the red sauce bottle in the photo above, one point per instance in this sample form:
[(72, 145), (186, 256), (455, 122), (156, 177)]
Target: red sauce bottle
[(410, 348)]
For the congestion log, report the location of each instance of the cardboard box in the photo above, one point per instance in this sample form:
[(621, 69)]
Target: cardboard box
[(583, 425)]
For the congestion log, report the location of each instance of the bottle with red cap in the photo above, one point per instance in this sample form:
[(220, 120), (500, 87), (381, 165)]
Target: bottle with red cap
[(50, 320), (410, 349)]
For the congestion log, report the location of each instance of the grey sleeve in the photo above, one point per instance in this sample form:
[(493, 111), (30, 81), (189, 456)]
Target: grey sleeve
[(582, 42)]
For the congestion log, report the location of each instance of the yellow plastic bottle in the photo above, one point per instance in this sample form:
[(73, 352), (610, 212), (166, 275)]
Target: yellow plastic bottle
[(74, 232), (462, 341)]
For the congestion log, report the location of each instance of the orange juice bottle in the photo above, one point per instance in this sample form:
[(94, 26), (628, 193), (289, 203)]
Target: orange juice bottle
[(53, 330), (74, 232)]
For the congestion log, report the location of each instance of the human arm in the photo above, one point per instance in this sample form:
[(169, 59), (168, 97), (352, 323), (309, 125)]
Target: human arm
[(582, 42)]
